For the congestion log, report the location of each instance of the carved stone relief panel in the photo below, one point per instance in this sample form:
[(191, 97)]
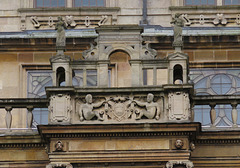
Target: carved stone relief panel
[(71, 21), (119, 108), (211, 19), (60, 109), (179, 106)]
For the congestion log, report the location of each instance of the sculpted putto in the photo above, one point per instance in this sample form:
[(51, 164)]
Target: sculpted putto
[(152, 108), (86, 111)]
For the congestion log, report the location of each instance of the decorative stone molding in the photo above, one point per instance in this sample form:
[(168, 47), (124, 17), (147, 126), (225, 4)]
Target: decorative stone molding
[(220, 19), (59, 165), (91, 54), (119, 109), (187, 163), (23, 145), (148, 52), (179, 106), (140, 134), (71, 21), (60, 109)]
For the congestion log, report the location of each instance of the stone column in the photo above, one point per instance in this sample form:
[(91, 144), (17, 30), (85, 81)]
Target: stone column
[(103, 73), (136, 73)]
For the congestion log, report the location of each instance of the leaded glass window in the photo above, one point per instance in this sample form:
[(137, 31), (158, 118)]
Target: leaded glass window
[(215, 82), (37, 81)]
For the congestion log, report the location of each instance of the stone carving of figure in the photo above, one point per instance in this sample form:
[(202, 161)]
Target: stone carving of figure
[(152, 109), (86, 111), (61, 37), (178, 24)]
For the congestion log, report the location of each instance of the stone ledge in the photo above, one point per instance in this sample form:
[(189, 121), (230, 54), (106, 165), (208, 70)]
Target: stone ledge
[(184, 8), (93, 9)]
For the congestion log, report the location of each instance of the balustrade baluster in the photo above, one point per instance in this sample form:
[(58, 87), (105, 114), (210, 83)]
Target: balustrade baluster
[(8, 118), (29, 117), (234, 114), (212, 114)]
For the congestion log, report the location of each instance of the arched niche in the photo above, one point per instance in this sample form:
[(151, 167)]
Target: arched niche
[(61, 79), (120, 73), (178, 74)]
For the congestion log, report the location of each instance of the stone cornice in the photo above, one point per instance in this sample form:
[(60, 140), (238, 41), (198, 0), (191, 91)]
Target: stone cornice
[(119, 130)]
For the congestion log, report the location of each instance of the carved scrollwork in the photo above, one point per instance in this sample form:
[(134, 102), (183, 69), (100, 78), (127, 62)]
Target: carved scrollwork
[(148, 52), (90, 54)]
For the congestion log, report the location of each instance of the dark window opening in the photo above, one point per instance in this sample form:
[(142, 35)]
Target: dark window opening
[(177, 74), (60, 76)]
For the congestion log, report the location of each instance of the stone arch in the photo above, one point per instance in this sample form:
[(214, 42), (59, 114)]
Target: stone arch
[(61, 77), (130, 50), (120, 69), (177, 74)]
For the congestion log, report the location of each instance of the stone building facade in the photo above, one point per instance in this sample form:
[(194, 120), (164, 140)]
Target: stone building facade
[(117, 83)]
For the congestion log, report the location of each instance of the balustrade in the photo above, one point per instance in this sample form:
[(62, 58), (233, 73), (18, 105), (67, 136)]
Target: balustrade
[(29, 104), (220, 101)]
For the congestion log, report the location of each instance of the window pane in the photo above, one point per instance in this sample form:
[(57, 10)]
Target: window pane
[(235, 2), (78, 78), (61, 3), (211, 2), (197, 2), (188, 2), (92, 3), (91, 77), (100, 2), (47, 3), (77, 3), (204, 2), (227, 2), (37, 81), (85, 3), (39, 3), (54, 3)]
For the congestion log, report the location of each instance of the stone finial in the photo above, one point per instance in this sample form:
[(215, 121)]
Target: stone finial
[(61, 37), (178, 23)]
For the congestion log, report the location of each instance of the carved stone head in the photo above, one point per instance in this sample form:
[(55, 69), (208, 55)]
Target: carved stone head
[(88, 98), (179, 144), (150, 97), (59, 146)]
